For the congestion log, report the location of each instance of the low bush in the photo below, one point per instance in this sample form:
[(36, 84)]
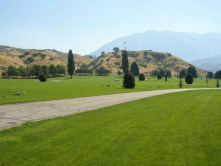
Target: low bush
[(189, 79), (42, 78), (159, 76), (141, 77), (117, 63)]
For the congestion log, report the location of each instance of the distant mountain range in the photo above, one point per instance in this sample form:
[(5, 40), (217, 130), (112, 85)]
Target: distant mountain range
[(187, 46), (210, 64)]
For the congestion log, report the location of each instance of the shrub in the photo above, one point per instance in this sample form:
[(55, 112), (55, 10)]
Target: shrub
[(102, 71), (159, 76), (42, 56), (119, 72), (117, 56), (51, 59), (29, 60), (143, 65), (25, 54), (189, 79), (84, 71), (117, 63), (133, 54), (158, 56), (42, 78), (3, 74), (129, 81), (35, 55), (141, 77), (107, 59)]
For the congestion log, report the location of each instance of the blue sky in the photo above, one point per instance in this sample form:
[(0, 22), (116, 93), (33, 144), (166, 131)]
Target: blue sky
[(86, 25)]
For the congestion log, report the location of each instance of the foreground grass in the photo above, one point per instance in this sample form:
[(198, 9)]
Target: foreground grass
[(80, 86), (173, 129)]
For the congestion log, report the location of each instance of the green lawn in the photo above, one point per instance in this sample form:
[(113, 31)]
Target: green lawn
[(174, 129), (80, 86)]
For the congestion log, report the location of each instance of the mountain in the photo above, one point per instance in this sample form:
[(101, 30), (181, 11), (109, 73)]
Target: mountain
[(18, 57), (147, 61), (187, 46), (210, 64)]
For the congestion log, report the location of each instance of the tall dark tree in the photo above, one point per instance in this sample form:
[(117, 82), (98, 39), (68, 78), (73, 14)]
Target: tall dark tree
[(209, 75), (125, 62), (192, 70), (134, 69), (218, 75), (129, 81), (71, 65), (182, 73)]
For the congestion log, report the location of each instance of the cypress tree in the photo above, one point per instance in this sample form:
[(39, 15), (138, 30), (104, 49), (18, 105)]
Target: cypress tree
[(125, 62), (134, 69), (71, 66), (129, 81)]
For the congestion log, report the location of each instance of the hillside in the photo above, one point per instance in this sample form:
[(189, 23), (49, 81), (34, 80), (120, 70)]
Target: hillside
[(187, 46), (210, 64), (18, 57), (147, 61)]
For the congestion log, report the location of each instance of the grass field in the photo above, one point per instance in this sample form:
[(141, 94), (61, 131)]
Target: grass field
[(80, 86), (174, 129)]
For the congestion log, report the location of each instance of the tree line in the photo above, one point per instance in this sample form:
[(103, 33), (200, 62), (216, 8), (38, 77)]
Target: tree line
[(35, 70)]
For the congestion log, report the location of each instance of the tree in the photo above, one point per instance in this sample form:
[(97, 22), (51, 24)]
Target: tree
[(53, 69), (125, 62), (71, 65), (129, 81), (37, 70), (134, 69), (141, 77), (192, 70), (218, 75), (217, 83), (155, 72), (12, 71), (3, 74), (159, 76), (116, 50), (189, 79), (45, 70), (210, 75), (180, 83), (22, 71), (102, 54), (61, 69), (102, 71), (182, 73), (166, 78)]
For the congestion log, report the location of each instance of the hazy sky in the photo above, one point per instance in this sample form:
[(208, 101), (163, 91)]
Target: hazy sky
[(86, 25)]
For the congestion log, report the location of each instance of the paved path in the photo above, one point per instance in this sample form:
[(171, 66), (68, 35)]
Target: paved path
[(16, 114)]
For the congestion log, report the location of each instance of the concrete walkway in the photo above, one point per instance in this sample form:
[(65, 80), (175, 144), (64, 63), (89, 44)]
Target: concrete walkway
[(16, 114)]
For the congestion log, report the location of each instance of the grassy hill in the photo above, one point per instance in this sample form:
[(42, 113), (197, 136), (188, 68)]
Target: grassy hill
[(147, 61), (18, 57)]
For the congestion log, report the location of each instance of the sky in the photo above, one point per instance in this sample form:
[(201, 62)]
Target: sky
[(86, 25)]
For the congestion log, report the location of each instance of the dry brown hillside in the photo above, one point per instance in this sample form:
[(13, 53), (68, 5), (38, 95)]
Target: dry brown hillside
[(147, 61), (18, 57)]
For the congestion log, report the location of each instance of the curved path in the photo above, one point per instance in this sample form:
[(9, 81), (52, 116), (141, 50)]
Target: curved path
[(16, 114)]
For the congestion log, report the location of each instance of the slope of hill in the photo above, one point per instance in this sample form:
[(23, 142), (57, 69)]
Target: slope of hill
[(210, 64), (188, 46), (147, 61), (19, 57)]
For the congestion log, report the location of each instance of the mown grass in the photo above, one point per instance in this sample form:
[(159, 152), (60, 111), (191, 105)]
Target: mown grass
[(80, 86), (174, 129)]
